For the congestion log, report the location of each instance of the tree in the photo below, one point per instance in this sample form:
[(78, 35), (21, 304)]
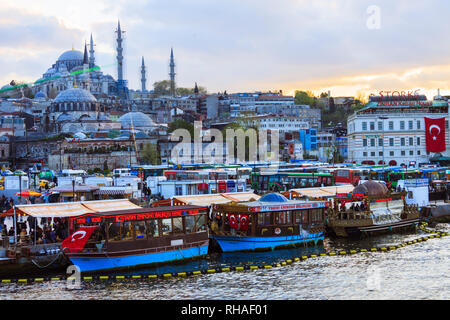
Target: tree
[(189, 91), (150, 154), (181, 124), (324, 95), (161, 88), (304, 98)]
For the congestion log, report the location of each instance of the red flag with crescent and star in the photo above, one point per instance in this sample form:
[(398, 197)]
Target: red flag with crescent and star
[(77, 240), (435, 134)]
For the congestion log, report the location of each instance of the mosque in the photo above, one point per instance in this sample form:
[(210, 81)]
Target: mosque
[(74, 68)]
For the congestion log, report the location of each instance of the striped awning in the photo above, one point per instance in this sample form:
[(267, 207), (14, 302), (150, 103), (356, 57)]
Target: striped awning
[(111, 191)]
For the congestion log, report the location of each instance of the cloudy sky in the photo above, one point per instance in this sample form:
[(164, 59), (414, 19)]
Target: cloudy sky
[(346, 46)]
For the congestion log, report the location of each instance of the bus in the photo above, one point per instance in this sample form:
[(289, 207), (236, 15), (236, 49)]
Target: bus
[(148, 171), (350, 176), (283, 181)]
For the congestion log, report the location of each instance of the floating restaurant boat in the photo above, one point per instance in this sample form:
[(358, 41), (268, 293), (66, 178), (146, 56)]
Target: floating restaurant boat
[(269, 223), (137, 237), (370, 208)]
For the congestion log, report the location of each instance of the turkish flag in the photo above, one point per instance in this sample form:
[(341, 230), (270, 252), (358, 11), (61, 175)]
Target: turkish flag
[(435, 134), (77, 240), (244, 222), (232, 220)]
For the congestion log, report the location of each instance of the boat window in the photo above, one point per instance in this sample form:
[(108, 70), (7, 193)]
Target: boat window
[(298, 217), (166, 226), (177, 225), (140, 229), (114, 231), (200, 222), (264, 218), (189, 221), (316, 215), (153, 228), (282, 217), (305, 216), (127, 231)]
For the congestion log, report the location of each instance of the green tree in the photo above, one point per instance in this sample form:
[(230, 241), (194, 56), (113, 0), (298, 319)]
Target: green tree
[(150, 154), (161, 88), (181, 124), (304, 97)]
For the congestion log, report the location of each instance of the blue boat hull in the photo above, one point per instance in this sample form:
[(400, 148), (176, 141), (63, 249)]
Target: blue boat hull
[(235, 243), (110, 263)]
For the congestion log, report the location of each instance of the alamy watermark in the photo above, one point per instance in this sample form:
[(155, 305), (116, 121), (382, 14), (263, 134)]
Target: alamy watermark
[(211, 147), (373, 22)]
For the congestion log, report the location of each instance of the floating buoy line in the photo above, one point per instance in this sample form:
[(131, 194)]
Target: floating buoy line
[(433, 234)]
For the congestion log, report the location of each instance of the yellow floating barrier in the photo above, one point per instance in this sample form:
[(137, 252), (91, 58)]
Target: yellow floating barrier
[(304, 257), (363, 250), (55, 279), (120, 277), (313, 256), (22, 280), (353, 251), (38, 279), (289, 261), (225, 269), (6, 280), (103, 277), (332, 254), (211, 270), (342, 252), (383, 249), (87, 278), (197, 272), (239, 268), (253, 267), (267, 267), (152, 276), (323, 254), (167, 275), (136, 277), (296, 259), (181, 274)]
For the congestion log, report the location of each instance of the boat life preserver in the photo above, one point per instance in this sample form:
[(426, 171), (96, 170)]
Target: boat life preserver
[(244, 222), (277, 230)]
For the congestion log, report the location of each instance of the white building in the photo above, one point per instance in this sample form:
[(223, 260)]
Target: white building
[(393, 129), (285, 124)]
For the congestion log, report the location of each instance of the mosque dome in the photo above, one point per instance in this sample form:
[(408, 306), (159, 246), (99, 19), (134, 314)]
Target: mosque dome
[(71, 55), (371, 188), (136, 119), (80, 135), (40, 95), (273, 197), (75, 95)]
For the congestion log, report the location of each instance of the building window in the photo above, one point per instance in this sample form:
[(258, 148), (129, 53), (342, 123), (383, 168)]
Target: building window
[(381, 153), (418, 152), (372, 154), (380, 126), (403, 152), (402, 125), (402, 141), (418, 124), (391, 153), (372, 142), (380, 142), (391, 125), (364, 126), (418, 141), (391, 142), (410, 124), (411, 152), (372, 126), (364, 142), (364, 154), (446, 124), (411, 141)]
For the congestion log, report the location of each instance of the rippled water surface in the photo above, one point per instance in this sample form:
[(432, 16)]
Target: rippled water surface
[(419, 271)]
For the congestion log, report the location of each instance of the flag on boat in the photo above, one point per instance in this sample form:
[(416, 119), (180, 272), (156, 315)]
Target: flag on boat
[(435, 134), (77, 240)]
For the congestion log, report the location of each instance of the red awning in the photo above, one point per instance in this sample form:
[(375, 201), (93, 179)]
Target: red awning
[(392, 163)]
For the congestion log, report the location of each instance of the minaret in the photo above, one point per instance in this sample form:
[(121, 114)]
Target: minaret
[(119, 53), (91, 54), (172, 73), (196, 89), (143, 79), (85, 56)]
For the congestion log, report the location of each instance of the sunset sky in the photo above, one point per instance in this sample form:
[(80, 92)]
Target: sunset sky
[(240, 45)]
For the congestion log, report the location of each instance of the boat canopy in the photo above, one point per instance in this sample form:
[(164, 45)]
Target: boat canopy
[(320, 192), (70, 209)]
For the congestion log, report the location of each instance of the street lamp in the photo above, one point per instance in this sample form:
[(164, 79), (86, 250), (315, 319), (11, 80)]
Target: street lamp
[(73, 188), (383, 118)]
